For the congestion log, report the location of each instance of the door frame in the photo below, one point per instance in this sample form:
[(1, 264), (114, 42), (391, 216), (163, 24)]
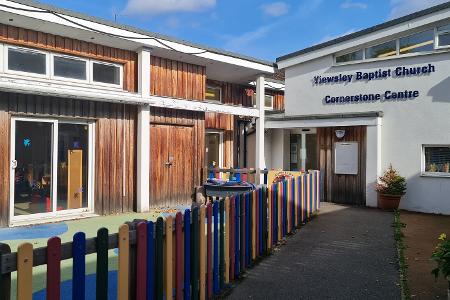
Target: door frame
[(54, 190), (221, 150)]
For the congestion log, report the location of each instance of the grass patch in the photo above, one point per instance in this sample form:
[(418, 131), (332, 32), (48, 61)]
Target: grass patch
[(403, 266)]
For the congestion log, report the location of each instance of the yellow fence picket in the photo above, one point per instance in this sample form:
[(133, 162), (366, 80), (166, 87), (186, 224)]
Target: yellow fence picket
[(227, 240), (169, 258), (25, 271), (124, 262), (202, 237)]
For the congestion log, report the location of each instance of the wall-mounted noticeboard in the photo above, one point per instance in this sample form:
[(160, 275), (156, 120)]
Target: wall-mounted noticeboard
[(346, 158)]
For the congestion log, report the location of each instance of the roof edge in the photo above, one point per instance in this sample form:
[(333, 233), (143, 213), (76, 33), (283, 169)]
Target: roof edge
[(366, 31)]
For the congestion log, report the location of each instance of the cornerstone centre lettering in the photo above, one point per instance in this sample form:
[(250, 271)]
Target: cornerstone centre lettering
[(358, 76)]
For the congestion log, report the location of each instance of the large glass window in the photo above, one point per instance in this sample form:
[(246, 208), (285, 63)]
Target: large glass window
[(268, 101), (213, 93), (106, 73), (213, 151), (25, 60), (353, 56), (437, 159), (69, 67), (443, 33), (382, 50), (419, 42), (73, 154)]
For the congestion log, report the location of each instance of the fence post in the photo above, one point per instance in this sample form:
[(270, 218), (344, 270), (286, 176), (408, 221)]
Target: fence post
[(159, 258), (150, 260), (5, 278), (255, 224), (264, 219), (237, 247), (79, 266), (232, 227), (242, 233), (227, 241), (222, 244), (187, 254), (168, 257), (25, 271), (141, 265), (270, 219), (179, 256), (124, 262), (216, 248), (247, 229), (202, 252), (209, 266), (102, 264), (53, 268), (195, 254)]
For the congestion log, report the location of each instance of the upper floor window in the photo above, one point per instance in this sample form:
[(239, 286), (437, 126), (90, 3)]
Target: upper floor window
[(68, 67), (419, 42), (213, 93), (26, 60), (268, 101), (353, 56), (443, 36), (106, 73), (382, 50)]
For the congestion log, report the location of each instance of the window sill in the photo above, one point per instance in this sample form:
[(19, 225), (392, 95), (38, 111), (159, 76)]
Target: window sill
[(435, 175)]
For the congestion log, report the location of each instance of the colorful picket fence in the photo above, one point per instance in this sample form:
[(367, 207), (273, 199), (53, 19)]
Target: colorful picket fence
[(194, 255)]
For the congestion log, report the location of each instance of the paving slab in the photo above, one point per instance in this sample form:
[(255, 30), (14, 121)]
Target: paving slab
[(344, 253)]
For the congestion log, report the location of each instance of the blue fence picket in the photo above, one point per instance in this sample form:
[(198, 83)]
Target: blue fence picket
[(187, 254), (79, 266), (247, 231), (237, 237), (260, 220), (150, 260), (216, 248)]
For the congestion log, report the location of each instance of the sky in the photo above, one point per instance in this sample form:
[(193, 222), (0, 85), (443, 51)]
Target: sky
[(261, 29)]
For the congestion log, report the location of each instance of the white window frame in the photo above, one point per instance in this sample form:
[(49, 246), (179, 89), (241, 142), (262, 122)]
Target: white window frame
[(220, 133), (52, 68), (336, 55), (437, 33), (211, 86), (111, 85), (23, 73), (423, 173), (68, 213), (265, 95)]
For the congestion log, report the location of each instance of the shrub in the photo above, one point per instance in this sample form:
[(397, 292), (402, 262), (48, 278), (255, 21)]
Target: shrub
[(441, 256), (391, 183)]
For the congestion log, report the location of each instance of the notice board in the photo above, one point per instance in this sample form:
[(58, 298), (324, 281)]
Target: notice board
[(346, 158)]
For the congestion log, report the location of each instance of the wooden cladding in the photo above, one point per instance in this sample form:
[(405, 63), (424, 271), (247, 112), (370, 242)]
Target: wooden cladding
[(347, 189), (234, 94), (225, 123), (178, 134), (278, 100), (171, 78), (115, 142), (55, 43)]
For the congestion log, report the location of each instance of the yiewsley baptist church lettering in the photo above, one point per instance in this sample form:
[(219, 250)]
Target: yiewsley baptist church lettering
[(398, 72)]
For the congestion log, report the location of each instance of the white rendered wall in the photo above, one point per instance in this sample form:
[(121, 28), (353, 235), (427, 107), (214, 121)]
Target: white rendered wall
[(406, 125)]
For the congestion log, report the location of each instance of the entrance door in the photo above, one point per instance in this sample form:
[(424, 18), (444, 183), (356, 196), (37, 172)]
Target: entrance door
[(171, 164), (50, 168)]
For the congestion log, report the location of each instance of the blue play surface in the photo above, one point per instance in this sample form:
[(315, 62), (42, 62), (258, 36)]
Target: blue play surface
[(66, 288), (33, 232)]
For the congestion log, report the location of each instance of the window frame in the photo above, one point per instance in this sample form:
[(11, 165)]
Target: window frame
[(221, 145), (111, 85), (213, 86), (396, 41), (424, 173), (265, 95), (6, 69), (52, 68), (437, 34), (419, 52), (338, 54)]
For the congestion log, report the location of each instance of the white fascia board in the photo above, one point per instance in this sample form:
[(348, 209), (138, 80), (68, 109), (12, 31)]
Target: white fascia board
[(271, 85), (362, 121), (379, 35), (137, 38), (35, 87)]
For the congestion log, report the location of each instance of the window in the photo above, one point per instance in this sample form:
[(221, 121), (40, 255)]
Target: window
[(357, 55), (25, 60), (213, 149), (382, 50), (436, 160), (443, 36), (419, 42), (213, 93), (106, 73), (68, 67), (268, 101)]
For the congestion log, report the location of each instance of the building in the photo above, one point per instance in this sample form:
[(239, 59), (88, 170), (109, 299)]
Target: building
[(100, 118), (358, 103)]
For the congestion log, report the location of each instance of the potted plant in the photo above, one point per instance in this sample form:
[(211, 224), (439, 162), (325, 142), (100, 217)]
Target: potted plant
[(441, 256), (390, 187)]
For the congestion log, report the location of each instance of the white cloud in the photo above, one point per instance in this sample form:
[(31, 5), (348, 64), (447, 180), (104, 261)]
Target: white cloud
[(275, 9), (403, 7), (241, 42), (156, 7), (350, 4), (332, 37)]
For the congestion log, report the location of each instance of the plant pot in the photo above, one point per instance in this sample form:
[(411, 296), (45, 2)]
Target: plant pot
[(388, 202)]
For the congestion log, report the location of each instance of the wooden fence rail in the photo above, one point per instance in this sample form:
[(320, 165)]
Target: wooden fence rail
[(192, 256)]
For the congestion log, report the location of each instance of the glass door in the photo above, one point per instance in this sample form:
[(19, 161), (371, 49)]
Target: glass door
[(51, 167), (32, 163)]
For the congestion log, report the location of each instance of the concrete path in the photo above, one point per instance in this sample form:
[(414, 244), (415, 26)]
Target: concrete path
[(344, 253)]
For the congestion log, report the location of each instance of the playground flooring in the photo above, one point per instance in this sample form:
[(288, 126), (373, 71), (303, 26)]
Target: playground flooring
[(344, 253), (39, 234), (421, 237)]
